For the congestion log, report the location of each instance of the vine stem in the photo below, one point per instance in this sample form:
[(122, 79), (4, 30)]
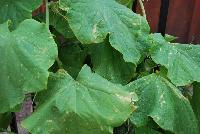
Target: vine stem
[(60, 65), (142, 8), (47, 12)]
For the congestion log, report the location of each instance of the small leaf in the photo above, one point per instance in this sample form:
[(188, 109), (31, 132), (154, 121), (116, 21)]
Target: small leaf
[(92, 21), (17, 10), (128, 3), (163, 102), (89, 105), (181, 60), (170, 38), (109, 63), (26, 55)]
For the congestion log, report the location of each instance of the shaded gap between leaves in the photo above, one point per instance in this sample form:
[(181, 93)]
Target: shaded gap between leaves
[(13, 124)]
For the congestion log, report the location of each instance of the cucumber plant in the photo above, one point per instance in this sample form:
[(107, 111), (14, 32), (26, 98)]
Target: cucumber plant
[(93, 66)]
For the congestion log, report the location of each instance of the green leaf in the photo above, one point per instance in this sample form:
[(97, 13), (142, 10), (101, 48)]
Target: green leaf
[(110, 64), (17, 10), (72, 55), (146, 130), (26, 55), (164, 103), (170, 38), (4, 121), (181, 60), (92, 21), (59, 21), (196, 101), (89, 105), (128, 3)]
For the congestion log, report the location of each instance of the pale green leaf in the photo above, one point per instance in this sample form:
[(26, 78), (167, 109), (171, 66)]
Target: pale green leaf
[(17, 10), (26, 55), (164, 103), (110, 64), (89, 105), (181, 60), (92, 21)]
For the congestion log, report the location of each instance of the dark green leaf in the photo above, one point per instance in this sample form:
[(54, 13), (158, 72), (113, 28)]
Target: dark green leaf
[(4, 121), (196, 101), (146, 130), (109, 63), (72, 57), (128, 3)]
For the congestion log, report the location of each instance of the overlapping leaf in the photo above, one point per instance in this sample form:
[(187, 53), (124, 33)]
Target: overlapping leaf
[(26, 55), (73, 57), (17, 10), (87, 106), (109, 63), (163, 102), (146, 130), (92, 21), (4, 121), (181, 60), (196, 101), (59, 21), (128, 3)]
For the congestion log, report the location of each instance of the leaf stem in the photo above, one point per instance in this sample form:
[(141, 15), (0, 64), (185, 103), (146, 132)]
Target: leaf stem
[(47, 13), (142, 8), (60, 65)]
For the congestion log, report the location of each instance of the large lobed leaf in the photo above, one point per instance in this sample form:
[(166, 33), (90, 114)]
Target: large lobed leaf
[(17, 10), (92, 21), (163, 102), (89, 105), (26, 55), (181, 60)]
